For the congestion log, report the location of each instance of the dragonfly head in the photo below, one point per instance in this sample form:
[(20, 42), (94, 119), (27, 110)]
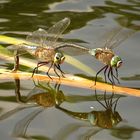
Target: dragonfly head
[(116, 61), (59, 58)]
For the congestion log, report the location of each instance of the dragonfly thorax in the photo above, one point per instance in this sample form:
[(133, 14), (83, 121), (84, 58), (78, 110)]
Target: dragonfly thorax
[(104, 55), (59, 58), (46, 54), (93, 52), (116, 61)]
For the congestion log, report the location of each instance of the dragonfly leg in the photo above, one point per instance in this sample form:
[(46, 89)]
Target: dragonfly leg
[(96, 96), (116, 102), (59, 68), (105, 73), (105, 99), (49, 70), (17, 91), (112, 76), (39, 64), (109, 72), (110, 100), (16, 63), (116, 77), (56, 71), (98, 73), (35, 69), (116, 72)]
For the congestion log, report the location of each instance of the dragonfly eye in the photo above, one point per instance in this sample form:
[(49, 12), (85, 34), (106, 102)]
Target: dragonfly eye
[(59, 58), (119, 63), (62, 59), (116, 61)]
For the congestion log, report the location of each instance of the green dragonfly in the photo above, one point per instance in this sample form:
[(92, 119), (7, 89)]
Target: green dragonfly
[(43, 45), (105, 52), (107, 56)]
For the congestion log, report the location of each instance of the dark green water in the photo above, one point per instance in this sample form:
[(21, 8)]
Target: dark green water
[(90, 19)]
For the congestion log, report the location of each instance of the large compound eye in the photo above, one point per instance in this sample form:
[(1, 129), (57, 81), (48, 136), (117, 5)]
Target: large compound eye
[(62, 59), (57, 57), (116, 61), (119, 63)]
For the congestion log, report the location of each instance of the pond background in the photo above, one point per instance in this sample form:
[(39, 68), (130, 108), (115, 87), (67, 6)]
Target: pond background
[(90, 19)]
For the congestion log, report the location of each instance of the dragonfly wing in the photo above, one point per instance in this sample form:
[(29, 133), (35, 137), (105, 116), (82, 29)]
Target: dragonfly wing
[(72, 49), (13, 47), (56, 30), (22, 49), (45, 38), (120, 37), (110, 36), (116, 36), (19, 47), (37, 37)]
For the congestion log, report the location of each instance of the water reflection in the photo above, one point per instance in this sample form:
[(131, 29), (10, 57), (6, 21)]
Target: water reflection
[(41, 97), (45, 95), (124, 132), (107, 118)]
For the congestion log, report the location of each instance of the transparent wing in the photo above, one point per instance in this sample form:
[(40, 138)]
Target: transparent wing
[(16, 47), (56, 31), (37, 37), (122, 36), (72, 49), (117, 36), (22, 49), (13, 47), (48, 38), (110, 36)]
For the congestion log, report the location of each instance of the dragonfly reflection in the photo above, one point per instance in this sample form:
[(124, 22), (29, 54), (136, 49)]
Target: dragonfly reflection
[(41, 97), (43, 45), (43, 94), (107, 118)]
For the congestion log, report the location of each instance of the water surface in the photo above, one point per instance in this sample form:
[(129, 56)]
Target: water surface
[(21, 113)]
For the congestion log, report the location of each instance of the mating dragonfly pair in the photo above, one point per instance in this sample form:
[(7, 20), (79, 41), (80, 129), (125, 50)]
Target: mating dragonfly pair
[(45, 46)]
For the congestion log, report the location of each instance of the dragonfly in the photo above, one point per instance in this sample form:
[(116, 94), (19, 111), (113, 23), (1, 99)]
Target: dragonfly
[(105, 53), (44, 45)]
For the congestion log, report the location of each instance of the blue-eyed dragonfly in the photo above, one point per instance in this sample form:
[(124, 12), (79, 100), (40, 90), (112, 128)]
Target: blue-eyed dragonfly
[(105, 53), (43, 45)]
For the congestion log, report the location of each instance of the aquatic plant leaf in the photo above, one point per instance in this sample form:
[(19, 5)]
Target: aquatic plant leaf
[(71, 80), (10, 40)]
